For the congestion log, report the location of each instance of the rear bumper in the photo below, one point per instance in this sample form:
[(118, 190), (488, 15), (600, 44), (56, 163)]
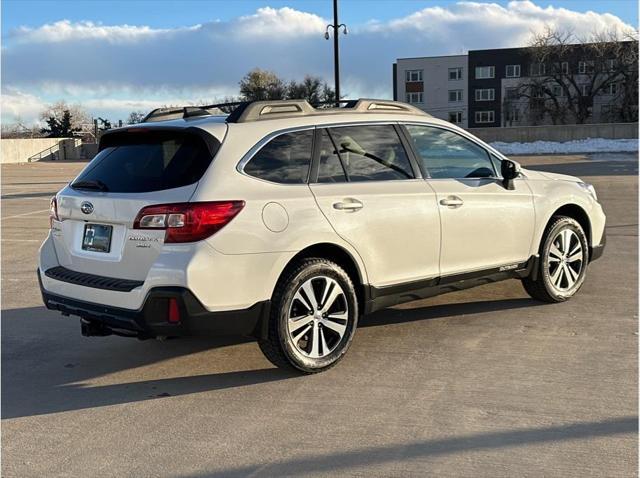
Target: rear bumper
[(151, 319)]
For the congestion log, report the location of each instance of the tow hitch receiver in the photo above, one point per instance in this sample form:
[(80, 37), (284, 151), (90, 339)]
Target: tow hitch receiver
[(94, 329), (91, 328)]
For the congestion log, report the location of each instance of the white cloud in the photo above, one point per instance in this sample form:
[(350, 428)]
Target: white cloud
[(267, 22), (20, 107), (113, 69), (64, 31)]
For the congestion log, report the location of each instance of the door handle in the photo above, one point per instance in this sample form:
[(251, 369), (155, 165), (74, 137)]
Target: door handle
[(348, 205), (452, 201)]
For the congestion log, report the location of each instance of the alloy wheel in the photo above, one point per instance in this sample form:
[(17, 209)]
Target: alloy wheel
[(318, 317), (565, 260)]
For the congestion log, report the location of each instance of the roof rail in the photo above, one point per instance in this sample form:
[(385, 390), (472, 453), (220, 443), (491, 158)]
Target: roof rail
[(246, 111), (261, 110), (164, 114)]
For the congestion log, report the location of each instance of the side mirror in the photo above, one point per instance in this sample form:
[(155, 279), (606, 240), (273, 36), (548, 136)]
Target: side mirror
[(510, 170)]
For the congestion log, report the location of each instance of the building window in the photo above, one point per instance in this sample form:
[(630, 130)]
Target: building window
[(455, 95), (455, 73), (483, 72), (512, 115), (584, 90), (485, 94), (612, 63), (537, 92), (513, 71), (414, 97), (511, 93), (558, 91), (612, 89), (538, 69), (564, 67), (455, 117), (609, 113), (485, 116), (413, 75), (585, 67)]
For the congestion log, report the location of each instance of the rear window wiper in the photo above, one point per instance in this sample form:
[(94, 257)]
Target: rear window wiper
[(92, 184)]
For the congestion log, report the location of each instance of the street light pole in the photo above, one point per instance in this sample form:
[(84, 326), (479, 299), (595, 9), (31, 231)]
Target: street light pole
[(336, 49)]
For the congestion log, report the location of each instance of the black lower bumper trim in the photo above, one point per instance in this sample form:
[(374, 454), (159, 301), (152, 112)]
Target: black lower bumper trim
[(597, 251), (152, 319), (91, 280)]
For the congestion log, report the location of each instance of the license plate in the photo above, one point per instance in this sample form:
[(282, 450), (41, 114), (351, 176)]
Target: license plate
[(97, 238)]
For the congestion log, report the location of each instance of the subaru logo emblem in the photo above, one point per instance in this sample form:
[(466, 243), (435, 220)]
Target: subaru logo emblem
[(86, 207)]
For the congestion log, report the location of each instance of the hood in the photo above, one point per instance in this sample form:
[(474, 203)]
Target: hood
[(545, 175)]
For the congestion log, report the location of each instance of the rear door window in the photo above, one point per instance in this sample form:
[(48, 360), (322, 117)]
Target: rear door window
[(285, 159), (330, 168), (371, 153), (139, 162)]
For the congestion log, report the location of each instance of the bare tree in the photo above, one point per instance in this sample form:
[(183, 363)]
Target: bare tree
[(265, 85), (262, 85), (136, 117), (79, 116), (18, 129), (568, 75), (312, 89)]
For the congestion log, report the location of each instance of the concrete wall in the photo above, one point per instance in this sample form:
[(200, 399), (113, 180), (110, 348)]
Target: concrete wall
[(559, 133), (88, 150), (39, 149), (436, 84)]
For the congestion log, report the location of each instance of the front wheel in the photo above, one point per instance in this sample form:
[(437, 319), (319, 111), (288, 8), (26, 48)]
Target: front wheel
[(564, 256), (313, 317)]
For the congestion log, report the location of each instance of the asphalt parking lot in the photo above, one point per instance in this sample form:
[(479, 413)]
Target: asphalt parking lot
[(484, 382)]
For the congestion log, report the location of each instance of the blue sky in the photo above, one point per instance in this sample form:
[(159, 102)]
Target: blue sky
[(166, 14), (113, 57)]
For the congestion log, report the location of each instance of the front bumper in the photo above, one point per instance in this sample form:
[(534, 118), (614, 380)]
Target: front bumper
[(597, 251), (151, 320)]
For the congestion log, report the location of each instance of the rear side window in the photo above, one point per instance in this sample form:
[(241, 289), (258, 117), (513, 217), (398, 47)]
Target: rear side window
[(147, 161), (371, 153), (285, 159)]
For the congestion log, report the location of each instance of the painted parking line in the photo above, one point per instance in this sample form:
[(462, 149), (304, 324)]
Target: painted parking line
[(24, 214), (21, 240), (5, 198)]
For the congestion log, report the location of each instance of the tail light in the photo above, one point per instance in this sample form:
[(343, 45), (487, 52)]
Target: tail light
[(174, 311), (53, 211), (188, 222)]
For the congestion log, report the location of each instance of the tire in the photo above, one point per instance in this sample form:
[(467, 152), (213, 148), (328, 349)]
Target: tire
[(313, 342), (562, 267)]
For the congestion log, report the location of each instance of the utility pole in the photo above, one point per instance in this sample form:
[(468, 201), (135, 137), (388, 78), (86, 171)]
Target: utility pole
[(336, 49)]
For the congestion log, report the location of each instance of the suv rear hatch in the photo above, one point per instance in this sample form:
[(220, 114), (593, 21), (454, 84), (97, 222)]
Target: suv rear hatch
[(134, 168)]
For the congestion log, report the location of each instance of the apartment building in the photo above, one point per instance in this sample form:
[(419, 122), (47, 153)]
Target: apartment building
[(493, 72), (512, 87), (437, 85)]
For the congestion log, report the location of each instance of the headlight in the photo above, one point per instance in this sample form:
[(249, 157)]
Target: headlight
[(590, 189)]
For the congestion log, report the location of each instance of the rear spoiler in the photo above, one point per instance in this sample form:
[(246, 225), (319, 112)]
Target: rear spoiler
[(110, 137)]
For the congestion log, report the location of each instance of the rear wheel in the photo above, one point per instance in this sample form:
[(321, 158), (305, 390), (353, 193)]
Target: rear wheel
[(313, 317), (564, 255)]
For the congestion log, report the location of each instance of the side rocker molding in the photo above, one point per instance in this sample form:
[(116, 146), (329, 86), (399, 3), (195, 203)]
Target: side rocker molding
[(381, 297)]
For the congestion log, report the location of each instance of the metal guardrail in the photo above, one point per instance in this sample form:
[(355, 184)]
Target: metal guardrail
[(51, 150)]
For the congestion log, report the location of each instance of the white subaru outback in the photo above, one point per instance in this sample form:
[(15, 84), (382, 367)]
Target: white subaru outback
[(287, 223)]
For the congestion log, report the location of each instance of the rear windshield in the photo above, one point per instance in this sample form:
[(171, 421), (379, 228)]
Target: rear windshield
[(140, 162)]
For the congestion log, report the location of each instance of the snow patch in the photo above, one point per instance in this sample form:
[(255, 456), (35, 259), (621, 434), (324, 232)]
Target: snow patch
[(589, 145)]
